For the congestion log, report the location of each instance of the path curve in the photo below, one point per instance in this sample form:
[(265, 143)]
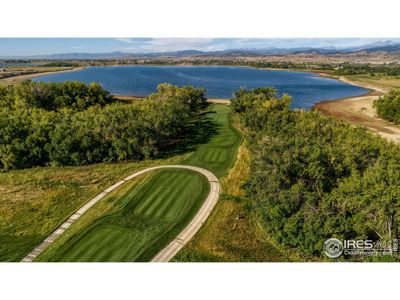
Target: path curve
[(173, 247)]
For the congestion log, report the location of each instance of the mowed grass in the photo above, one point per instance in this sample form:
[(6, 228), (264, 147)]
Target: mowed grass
[(142, 221), (33, 202), (219, 153), (138, 220)]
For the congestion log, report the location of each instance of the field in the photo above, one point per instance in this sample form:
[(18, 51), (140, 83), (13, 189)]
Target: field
[(383, 81), (139, 219)]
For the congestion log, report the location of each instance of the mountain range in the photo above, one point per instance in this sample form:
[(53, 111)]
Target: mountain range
[(388, 46)]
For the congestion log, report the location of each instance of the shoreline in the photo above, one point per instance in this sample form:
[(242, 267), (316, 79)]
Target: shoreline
[(359, 110), (356, 110), (225, 101), (19, 78)]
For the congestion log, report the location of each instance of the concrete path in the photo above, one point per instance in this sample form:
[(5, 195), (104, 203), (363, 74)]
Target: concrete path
[(177, 244)]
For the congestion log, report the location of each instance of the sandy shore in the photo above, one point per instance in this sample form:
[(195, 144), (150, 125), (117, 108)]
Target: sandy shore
[(359, 111), (19, 78), (220, 101), (211, 100)]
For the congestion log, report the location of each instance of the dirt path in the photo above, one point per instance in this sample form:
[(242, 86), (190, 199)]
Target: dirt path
[(359, 110), (173, 247)]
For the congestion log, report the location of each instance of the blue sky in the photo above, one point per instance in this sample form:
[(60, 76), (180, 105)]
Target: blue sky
[(39, 46)]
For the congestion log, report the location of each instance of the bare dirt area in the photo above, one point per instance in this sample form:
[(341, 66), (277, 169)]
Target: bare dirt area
[(359, 111), (220, 101)]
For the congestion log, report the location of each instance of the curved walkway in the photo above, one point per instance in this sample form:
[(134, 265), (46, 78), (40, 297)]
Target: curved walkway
[(173, 247)]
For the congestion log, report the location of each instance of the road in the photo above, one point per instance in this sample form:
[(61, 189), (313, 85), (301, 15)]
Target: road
[(173, 247)]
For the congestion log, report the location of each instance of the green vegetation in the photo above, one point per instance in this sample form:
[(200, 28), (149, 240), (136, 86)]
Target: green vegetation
[(219, 152), (60, 64), (307, 177), (231, 233), (382, 81), (313, 177), (74, 124), (140, 219), (371, 69), (388, 106), (72, 95), (33, 202)]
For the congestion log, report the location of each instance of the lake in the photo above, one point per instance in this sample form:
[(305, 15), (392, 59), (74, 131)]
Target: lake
[(219, 81)]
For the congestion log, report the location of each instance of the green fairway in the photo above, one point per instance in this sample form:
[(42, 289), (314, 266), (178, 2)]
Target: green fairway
[(144, 217), (148, 217), (218, 154)]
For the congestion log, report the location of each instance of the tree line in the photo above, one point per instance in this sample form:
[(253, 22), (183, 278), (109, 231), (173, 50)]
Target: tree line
[(75, 124), (373, 70), (314, 177)]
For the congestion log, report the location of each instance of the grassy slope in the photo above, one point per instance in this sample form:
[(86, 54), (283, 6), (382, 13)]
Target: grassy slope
[(138, 220)]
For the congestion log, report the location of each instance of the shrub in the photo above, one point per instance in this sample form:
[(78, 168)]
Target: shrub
[(388, 106)]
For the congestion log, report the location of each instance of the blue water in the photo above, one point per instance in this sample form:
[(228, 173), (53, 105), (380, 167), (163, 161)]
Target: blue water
[(219, 81)]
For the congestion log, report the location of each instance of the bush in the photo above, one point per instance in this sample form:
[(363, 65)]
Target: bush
[(55, 96), (314, 177), (388, 106), (75, 124)]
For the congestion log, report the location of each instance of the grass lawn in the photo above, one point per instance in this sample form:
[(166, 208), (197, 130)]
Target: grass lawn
[(218, 154), (140, 220)]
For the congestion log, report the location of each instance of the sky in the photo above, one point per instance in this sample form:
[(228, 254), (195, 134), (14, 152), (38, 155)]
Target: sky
[(11, 47)]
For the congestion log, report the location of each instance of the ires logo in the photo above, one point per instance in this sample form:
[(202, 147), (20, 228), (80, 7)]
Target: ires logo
[(358, 244), (334, 247)]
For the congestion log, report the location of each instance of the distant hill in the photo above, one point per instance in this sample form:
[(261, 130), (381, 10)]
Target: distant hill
[(388, 47), (391, 49)]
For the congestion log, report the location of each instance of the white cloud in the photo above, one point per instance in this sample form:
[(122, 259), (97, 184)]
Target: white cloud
[(137, 45), (169, 44), (125, 40)]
